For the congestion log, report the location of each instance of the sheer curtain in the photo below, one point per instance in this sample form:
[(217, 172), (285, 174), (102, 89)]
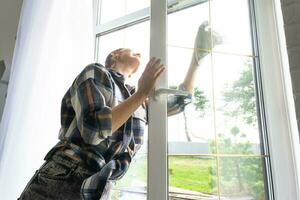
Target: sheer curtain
[(54, 43)]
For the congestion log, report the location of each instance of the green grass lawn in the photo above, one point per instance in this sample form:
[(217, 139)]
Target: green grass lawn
[(190, 173), (198, 174)]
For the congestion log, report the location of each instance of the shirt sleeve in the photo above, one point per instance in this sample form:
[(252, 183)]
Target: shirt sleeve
[(176, 103), (91, 101)]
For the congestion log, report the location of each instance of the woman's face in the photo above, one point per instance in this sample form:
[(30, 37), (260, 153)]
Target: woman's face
[(130, 59)]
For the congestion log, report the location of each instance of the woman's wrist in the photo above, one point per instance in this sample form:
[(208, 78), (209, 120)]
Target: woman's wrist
[(194, 61), (141, 95), (124, 110)]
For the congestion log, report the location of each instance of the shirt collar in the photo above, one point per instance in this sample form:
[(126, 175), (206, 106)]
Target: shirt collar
[(121, 78), (117, 75)]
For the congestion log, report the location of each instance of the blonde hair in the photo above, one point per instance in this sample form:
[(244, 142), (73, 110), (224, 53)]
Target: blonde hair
[(112, 57)]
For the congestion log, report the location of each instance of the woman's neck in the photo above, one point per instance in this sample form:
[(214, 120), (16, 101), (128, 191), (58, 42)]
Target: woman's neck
[(122, 69)]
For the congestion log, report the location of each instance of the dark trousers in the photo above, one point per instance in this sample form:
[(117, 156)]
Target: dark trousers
[(60, 177)]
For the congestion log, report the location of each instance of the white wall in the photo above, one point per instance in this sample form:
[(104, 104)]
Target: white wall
[(9, 18), (291, 17)]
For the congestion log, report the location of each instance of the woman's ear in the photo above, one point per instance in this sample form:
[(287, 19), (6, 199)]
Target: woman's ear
[(114, 58)]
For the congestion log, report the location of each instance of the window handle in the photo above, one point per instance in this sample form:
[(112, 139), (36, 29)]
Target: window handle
[(167, 91)]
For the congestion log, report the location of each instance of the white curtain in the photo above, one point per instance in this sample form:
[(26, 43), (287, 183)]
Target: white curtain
[(54, 43)]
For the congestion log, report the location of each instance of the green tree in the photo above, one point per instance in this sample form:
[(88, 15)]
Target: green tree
[(240, 97), (200, 101), (239, 175)]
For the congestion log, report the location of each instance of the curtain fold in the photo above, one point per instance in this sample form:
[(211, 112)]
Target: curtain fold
[(54, 43)]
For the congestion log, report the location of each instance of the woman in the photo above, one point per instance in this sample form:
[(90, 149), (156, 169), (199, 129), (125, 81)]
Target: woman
[(102, 126)]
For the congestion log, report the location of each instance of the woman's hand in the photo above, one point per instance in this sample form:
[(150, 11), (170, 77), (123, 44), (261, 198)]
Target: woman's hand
[(205, 41), (151, 73)]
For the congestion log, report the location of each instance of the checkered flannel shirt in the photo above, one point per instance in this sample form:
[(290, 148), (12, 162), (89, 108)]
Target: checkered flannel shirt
[(86, 125)]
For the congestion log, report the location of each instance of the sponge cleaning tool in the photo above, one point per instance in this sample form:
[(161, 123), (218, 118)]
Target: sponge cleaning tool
[(205, 40)]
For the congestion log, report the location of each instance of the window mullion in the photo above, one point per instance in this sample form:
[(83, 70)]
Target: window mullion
[(157, 129)]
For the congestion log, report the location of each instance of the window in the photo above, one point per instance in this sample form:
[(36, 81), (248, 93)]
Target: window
[(217, 148), (111, 10)]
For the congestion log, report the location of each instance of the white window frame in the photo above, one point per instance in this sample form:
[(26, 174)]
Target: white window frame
[(157, 187), (282, 135), (279, 118)]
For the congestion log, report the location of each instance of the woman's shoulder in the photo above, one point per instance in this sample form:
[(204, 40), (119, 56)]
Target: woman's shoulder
[(95, 71)]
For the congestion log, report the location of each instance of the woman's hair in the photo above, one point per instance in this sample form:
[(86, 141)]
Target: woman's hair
[(110, 59)]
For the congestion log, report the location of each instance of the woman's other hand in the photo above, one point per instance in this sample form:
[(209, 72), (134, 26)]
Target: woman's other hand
[(203, 43)]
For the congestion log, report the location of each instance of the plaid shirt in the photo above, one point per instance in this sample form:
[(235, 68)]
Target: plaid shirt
[(86, 126)]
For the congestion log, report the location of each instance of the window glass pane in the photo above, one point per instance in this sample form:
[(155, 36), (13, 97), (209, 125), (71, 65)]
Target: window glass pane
[(222, 119), (192, 177), (136, 37), (183, 25), (235, 102), (112, 9), (230, 19), (242, 178), (191, 131), (134, 183)]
